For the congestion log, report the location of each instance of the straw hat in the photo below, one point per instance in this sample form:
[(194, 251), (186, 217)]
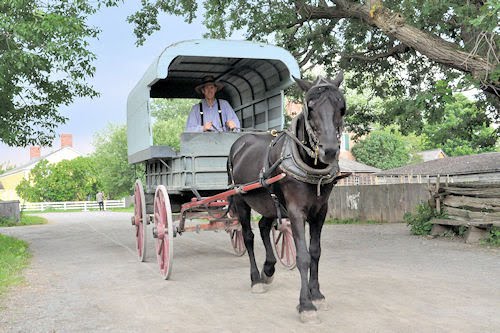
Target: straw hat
[(209, 79)]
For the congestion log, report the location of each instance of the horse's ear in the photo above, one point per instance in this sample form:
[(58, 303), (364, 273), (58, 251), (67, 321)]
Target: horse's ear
[(338, 79), (303, 84)]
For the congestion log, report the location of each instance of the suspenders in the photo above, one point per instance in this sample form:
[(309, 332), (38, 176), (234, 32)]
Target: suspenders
[(220, 114)]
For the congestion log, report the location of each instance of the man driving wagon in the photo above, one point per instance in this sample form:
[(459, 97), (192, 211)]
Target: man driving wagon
[(211, 114)]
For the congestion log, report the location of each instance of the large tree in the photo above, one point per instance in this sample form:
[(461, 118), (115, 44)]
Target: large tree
[(115, 174), (383, 149), (68, 180), (44, 64), (398, 48), (463, 131), (170, 120)]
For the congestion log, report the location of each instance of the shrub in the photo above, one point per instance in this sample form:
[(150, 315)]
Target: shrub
[(494, 237), (420, 222)]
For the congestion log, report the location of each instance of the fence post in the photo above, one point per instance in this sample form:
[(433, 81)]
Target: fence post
[(85, 206), (104, 205)]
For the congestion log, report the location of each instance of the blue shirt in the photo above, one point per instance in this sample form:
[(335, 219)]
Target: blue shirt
[(211, 114)]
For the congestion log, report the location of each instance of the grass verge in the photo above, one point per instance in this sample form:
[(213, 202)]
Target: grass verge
[(350, 221), (25, 220), (14, 256)]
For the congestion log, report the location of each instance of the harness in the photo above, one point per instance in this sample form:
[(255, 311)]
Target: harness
[(220, 114), (290, 161)]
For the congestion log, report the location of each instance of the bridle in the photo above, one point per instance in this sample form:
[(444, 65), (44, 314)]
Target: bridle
[(313, 151)]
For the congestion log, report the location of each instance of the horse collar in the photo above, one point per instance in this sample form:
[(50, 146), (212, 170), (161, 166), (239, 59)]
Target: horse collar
[(293, 165)]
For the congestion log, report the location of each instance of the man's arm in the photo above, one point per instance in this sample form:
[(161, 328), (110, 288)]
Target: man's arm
[(232, 120)]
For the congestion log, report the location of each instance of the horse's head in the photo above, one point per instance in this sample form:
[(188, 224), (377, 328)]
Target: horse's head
[(323, 114)]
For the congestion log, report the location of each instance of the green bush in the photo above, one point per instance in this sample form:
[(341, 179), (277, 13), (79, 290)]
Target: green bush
[(494, 237), (420, 222)]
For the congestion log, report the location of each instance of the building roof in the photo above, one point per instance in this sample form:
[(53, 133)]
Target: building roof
[(434, 154), (34, 161), (459, 165), (353, 166)]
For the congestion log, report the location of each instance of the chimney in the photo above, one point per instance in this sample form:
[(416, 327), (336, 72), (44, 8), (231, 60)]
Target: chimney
[(66, 140), (34, 152)]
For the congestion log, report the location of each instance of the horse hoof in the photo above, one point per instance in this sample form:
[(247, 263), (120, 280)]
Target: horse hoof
[(309, 317), (258, 288), (321, 304), (266, 279)]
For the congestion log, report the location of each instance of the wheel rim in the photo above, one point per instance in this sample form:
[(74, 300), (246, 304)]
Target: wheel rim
[(237, 241), (140, 220), (284, 245), (164, 231)]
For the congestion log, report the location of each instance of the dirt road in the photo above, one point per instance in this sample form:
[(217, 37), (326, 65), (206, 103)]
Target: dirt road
[(85, 277)]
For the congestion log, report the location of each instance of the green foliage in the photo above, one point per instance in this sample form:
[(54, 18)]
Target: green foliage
[(68, 180), (382, 149), (366, 41), (363, 110), (25, 220), (115, 174), (45, 64), (493, 237), (463, 130), (14, 256), (419, 222), (171, 116)]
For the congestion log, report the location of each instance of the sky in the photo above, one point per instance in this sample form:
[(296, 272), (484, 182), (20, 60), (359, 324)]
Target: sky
[(119, 66)]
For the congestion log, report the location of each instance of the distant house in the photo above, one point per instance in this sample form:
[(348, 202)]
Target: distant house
[(466, 168), (429, 155), (10, 179), (361, 174)]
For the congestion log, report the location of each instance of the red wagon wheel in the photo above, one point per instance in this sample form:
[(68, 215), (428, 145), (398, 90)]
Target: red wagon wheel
[(139, 220), (163, 231), (236, 234), (284, 246)]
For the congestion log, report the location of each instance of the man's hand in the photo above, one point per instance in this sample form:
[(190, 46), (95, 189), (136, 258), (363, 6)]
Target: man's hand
[(207, 126), (231, 124)]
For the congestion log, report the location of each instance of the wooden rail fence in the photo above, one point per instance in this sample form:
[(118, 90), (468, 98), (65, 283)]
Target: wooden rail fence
[(475, 205), (70, 205)]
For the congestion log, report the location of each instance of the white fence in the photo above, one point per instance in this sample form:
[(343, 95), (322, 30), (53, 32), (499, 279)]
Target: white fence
[(70, 205)]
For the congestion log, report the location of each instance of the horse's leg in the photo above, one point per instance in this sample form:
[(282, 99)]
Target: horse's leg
[(306, 308), (315, 227), (243, 211), (265, 225)]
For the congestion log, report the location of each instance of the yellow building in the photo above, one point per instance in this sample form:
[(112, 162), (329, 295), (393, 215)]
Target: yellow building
[(10, 179)]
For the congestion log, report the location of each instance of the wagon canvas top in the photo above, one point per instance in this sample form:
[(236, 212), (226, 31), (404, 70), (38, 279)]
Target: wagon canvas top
[(254, 76)]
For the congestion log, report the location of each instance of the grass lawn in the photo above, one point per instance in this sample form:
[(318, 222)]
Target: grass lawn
[(14, 256), (26, 219)]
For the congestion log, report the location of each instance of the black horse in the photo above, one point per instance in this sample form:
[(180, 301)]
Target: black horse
[(308, 153)]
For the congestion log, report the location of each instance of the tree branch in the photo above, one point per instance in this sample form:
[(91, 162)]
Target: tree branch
[(393, 51), (393, 25)]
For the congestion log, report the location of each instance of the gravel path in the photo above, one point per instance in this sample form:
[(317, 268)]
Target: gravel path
[(85, 277)]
